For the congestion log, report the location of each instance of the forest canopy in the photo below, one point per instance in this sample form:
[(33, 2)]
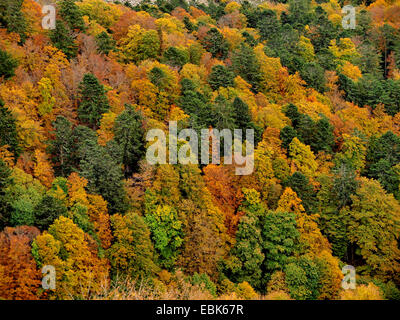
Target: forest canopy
[(77, 193)]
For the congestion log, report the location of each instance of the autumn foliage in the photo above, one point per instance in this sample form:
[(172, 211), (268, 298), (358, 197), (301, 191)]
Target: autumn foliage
[(77, 192)]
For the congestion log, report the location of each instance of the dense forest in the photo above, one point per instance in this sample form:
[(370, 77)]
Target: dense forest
[(77, 193)]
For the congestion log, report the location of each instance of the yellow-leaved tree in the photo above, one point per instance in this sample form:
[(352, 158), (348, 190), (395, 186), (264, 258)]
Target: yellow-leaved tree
[(79, 271), (303, 159)]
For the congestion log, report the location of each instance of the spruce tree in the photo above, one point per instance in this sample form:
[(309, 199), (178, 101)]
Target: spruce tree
[(129, 135), (305, 191), (105, 43), (8, 131), (215, 43), (221, 76), (242, 114), (104, 175), (48, 210), (93, 100), (12, 17), (71, 14), (245, 64), (62, 39), (7, 65), (5, 200), (63, 147)]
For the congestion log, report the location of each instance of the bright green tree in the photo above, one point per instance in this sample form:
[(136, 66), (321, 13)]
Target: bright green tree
[(280, 238), (247, 257), (373, 228), (166, 230), (303, 278)]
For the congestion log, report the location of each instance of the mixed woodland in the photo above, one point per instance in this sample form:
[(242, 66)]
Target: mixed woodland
[(77, 193)]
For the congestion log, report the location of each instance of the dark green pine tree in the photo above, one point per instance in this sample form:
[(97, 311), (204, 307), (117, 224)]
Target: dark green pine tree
[(241, 114), (305, 129), (364, 24), (157, 77), (286, 135), (344, 185), (382, 155), (104, 175), (8, 131), (334, 195), (5, 200), (83, 136), (268, 24), (105, 43), (323, 138), (215, 43), (245, 64), (48, 210), (195, 104), (370, 60), (71, 14), (62, 39), (251, 12), (129, 135), (317, 134), (62, 148), (324, 30), (244, 121), (299, 13), (223, 116), (386, 147), (390, 96), (7, 64), (249, 39), (292, 112), (176, 57), (386, 175), (220, 76), (189, 25), (313, 74), (305, 191), (12, 17), (93, 100)]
